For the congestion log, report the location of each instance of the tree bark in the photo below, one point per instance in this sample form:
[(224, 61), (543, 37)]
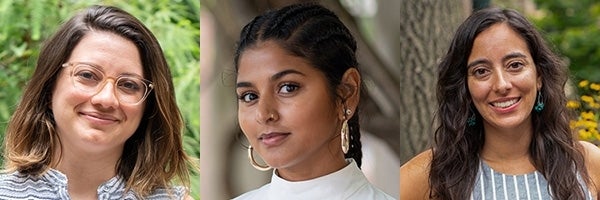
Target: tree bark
[(426, 29)]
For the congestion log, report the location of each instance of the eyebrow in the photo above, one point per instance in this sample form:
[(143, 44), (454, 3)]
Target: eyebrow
[(504, 59), (99, 67), (513, 55), (275, 77)]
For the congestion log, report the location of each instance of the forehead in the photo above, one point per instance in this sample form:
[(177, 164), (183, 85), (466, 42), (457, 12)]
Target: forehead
[(110, 51), (497, 41), (269, 58)]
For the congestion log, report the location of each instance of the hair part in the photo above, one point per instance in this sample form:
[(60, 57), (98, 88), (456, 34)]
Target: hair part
[(316, 34), (456, 147), (151, 157)]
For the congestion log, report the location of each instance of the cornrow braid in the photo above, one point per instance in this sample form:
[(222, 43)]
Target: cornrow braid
[(315, 33)]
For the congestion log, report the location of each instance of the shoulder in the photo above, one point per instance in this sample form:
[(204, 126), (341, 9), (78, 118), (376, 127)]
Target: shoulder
[(591, 155), (175, 192), (259, 193), (414, 177), (15, 185)]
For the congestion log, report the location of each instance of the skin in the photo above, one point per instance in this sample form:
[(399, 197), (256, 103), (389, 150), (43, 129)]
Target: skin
[(591, 154), (93, 128), (500, 71), (288, 113), (500, 68)]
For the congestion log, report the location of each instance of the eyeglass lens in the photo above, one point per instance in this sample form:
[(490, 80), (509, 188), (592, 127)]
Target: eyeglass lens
[(128, 89)]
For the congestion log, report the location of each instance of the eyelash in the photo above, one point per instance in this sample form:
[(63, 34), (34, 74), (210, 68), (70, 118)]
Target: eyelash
[(293, 86), (290, 85), (518, 64), (242, 97)]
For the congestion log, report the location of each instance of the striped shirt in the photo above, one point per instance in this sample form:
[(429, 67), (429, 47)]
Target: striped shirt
[(53, 185), (494, 185)]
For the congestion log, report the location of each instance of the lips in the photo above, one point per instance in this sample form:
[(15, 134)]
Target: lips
[(505, 103), (273, 138), (99, 118)]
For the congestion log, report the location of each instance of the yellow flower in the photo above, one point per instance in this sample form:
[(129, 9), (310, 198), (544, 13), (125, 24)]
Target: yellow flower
[(583, 83), (591, 125), (572, 104), (587, 115), (595, 86), (573, 124), (584, 135), (595, 105), (586, 98)]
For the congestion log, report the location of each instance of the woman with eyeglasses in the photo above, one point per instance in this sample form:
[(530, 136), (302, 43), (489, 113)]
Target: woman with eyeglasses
[(98, 120)]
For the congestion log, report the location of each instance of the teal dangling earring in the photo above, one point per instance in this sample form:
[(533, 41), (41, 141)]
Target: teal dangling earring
[(472, 120), (539, 105)]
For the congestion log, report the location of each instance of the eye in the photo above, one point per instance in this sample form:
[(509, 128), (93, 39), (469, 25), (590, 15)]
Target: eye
[(515, 65), (288, 88), (85, 74), (247, 97), (480, 72), (129, 85)]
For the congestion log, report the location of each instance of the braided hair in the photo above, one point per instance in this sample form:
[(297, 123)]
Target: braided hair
[(312, 32)]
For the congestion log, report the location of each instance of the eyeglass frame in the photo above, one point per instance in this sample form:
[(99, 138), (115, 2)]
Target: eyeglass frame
[(149, 84)]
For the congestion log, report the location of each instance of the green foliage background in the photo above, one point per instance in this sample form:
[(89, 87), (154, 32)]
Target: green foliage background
[(25, 24), (573, 27)]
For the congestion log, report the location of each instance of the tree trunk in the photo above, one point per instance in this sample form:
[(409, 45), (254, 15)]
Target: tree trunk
[(426, 28)]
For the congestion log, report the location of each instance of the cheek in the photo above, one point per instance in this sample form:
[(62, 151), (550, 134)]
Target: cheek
[(314, 116), (244, 120), (64, 95), (134, 114), (474, 90)]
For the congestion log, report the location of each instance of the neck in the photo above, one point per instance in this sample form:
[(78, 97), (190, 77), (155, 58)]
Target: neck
[(86, 171), (313, 168), (507, 150)]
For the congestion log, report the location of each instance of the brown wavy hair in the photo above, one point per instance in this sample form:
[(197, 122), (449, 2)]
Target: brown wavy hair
[(456, 146), (152, 156)]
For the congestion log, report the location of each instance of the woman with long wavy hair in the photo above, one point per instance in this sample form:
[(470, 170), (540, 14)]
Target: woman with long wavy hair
[(507, 134)]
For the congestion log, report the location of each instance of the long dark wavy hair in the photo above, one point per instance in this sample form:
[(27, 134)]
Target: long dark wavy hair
[(456, 146), (312, 32)]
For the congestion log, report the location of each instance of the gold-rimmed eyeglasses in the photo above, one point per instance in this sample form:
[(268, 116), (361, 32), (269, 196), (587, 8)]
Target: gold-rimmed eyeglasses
[(129, 88)]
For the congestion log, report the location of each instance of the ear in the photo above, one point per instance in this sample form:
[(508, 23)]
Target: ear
[(349, 91)]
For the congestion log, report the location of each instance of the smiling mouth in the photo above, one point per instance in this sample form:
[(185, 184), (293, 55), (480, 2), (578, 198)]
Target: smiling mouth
[(505, 104), (101, 118)]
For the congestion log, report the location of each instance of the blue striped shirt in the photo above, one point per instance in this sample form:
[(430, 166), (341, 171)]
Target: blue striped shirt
[(494, 185), (53, 185)]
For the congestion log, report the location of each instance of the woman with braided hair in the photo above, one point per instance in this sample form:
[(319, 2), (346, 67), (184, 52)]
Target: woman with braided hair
[(299, 87)]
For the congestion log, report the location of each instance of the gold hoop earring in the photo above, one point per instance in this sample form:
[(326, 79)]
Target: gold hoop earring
[(345, 133), (254, 163)]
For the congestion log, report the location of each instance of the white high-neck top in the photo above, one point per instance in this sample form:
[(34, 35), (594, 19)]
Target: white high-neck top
[(346, 183)]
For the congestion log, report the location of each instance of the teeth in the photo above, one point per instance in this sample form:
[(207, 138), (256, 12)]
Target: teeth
[(505, 103)]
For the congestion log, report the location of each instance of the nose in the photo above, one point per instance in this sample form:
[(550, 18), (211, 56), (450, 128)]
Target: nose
[(502, 83), (106, 97), (266, 111)]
